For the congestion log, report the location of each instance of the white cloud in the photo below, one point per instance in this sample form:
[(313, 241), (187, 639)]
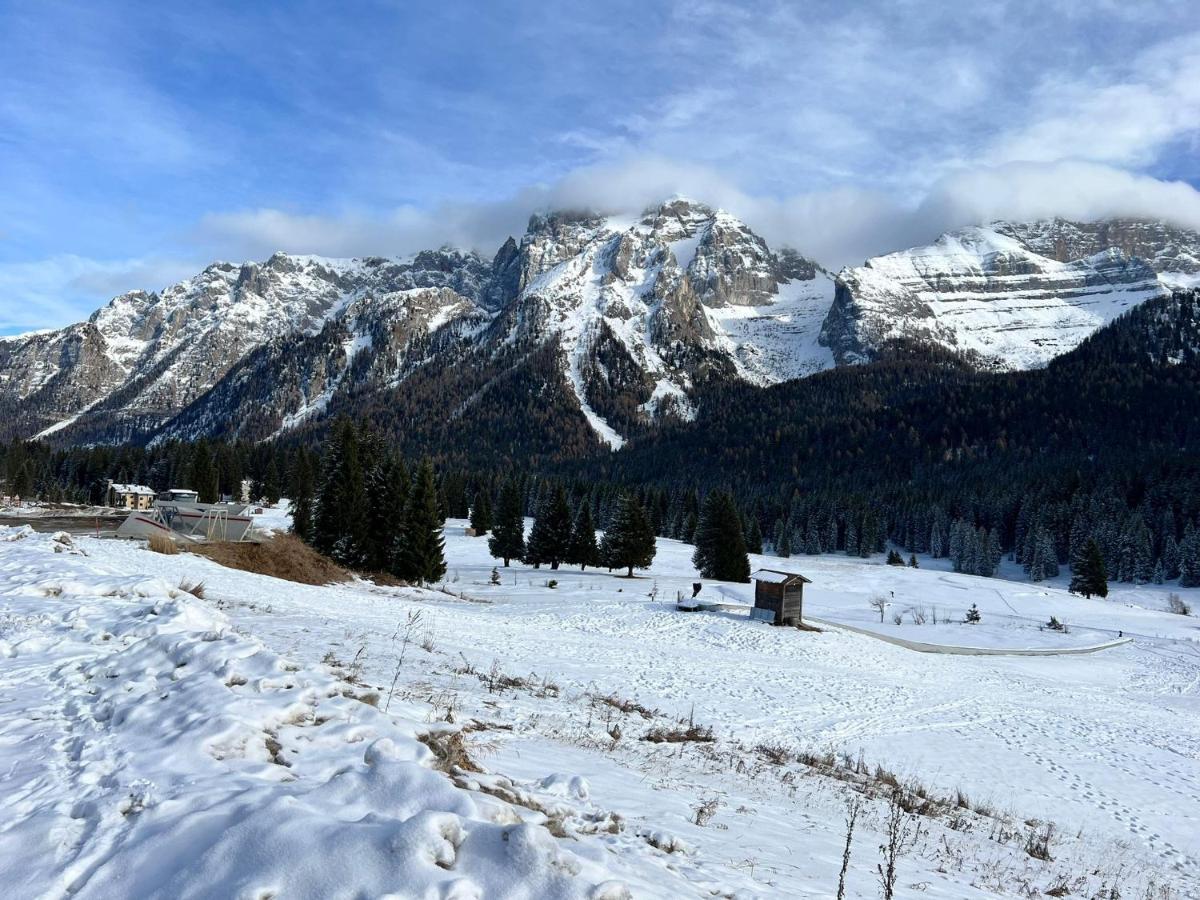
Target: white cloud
[(1123, 116), (838, 226)]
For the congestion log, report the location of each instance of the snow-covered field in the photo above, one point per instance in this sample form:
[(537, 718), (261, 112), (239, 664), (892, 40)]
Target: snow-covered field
[(156, 744)]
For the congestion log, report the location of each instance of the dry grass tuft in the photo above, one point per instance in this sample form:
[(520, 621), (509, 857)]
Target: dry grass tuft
[(453, 754), (160, 543), (195, 588), (625, 706), (283, 556), (692, 734)]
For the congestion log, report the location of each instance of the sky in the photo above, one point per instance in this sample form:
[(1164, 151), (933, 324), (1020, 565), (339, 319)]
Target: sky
[(139, 142)]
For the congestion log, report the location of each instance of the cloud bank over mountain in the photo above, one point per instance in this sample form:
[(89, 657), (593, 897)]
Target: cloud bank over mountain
[(140, 146)]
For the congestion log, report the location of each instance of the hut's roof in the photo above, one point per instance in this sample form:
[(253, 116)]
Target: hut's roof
[(774, 576)]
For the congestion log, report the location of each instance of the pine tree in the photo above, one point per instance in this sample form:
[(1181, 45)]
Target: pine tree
[(387, 499), (302, 495), (584, 550), (271, 490), (783, 539), (812, 539), (204, 474), (720, 546), (339, 526), (628, 542), (422, 556), (973, 617), (508, 533), (1170, 557), (912, 561), (550, 537), (754, 539), (1189, 557), (1089, 578), (481, 513)]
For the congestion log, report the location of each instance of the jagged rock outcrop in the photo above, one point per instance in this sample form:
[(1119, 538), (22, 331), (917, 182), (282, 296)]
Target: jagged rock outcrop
[(144, 357), (1006, 296)]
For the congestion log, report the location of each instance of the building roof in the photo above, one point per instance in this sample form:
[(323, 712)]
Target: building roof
[(774, 576), (132, 489)]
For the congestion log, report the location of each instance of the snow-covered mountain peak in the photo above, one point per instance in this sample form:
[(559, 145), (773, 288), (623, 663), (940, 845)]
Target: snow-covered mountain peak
[(1008, 295)]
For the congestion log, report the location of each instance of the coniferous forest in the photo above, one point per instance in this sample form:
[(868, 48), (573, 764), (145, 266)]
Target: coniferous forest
[(1089, 463)]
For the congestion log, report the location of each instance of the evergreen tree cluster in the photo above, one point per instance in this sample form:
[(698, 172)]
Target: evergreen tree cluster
[(369, 513)]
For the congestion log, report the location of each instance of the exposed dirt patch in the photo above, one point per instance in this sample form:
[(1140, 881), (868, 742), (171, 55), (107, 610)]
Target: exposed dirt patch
[(283, 556)]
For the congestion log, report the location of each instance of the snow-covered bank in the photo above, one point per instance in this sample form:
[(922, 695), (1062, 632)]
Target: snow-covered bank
[(151, 749), (1106, 745)]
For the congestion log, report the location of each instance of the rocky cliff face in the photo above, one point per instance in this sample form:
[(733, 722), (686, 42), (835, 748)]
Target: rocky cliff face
[(646, 311), (144, 357), (1008, 296), (622, 322)]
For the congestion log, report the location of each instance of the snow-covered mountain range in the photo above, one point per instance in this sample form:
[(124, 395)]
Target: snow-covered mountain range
[(635, 317), (1011, 295)]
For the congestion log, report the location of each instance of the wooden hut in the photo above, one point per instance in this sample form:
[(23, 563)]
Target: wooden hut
[(778, 597)]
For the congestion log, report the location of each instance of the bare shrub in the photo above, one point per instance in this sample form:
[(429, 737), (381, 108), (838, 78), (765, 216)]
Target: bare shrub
[(897, 619), (918, 615), (408, 626), (1176, 605), (1038, 841), (775, 754), (160, 543), (879, 604), (901, 832), (625, 706), (853, 808), (704, 811)]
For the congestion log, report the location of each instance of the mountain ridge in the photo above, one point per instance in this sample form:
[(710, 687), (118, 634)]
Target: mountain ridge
[(640, 313)]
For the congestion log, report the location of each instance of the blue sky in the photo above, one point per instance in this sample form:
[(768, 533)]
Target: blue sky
[(138, 142)]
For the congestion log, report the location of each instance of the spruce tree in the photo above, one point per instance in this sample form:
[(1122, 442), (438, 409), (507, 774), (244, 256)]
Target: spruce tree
[(584, 550), (271, 490), (628, 542), (481, 513), (339, 526), (205, 480), (550, 537), (302, 495), (754, 539), (387, 499), (1090, 578), (422, 556), (1189, 557), (508, 533), (720, 547)]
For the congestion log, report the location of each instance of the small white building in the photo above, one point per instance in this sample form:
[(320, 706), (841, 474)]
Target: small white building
[(129, 496)]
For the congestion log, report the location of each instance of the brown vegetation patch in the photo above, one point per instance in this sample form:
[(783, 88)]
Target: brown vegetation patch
[(160, 543), (282, 556), (692, 734), (453, 754)]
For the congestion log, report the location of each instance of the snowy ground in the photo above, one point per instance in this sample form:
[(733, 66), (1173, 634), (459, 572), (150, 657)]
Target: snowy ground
[(117, 800)]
